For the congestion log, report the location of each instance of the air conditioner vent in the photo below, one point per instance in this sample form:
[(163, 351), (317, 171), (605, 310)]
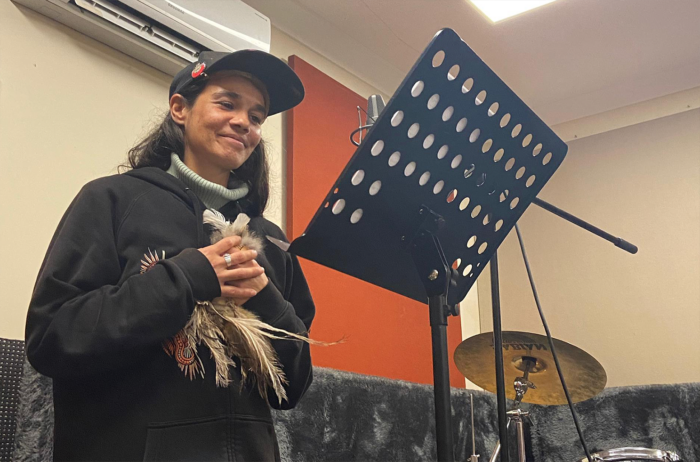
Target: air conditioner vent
[(165, 34), (137, 26), (112, 13)]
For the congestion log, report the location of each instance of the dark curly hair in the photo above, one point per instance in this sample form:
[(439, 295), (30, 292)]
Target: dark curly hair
[(155, 148)]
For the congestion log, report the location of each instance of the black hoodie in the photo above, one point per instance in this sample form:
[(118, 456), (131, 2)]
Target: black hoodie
[(97, 326)]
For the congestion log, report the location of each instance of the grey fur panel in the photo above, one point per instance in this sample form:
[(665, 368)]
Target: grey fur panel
[(34, 434), (353, 417), (661, 417)]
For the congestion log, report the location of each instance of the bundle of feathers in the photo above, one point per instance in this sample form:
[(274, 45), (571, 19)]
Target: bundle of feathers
[(229, 330)]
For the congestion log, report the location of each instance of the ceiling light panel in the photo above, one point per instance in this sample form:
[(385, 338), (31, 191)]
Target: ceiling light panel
[(498, 10)]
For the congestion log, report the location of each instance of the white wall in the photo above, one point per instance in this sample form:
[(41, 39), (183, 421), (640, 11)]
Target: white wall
[(70, 108), (639, 315)]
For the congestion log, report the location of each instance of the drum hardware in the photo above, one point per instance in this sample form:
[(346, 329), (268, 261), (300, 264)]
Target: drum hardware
[(517, 415), (522, 384), (631, 454)]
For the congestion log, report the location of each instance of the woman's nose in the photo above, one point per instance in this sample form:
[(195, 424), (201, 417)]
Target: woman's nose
[(240, 119)]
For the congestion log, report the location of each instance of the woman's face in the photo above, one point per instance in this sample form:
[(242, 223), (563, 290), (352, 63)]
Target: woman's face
[(223, 126)]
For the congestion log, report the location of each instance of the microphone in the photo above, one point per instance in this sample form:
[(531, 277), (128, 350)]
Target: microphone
[(375, 106)]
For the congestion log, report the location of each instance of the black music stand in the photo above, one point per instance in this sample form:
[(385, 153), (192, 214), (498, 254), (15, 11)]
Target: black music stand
[(442, 176)]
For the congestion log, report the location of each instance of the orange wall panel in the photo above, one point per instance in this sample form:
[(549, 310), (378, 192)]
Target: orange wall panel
[(386, 334)]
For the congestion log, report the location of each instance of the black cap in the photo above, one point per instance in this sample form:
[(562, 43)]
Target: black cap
[(284, 88)]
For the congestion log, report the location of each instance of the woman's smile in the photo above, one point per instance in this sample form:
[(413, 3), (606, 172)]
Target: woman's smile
[(235, 140)]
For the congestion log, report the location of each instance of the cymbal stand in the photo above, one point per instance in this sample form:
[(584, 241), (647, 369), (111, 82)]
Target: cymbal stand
[(517, 415), (522, 384)]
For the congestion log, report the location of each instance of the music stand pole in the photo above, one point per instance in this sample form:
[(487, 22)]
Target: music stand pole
[(435, 274), (441, 378)]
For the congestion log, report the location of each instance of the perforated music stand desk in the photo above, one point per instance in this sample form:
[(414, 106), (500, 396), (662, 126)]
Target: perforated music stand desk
[(442, 176)]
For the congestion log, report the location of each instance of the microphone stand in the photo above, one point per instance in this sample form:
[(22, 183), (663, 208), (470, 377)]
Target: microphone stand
[(496, 308)]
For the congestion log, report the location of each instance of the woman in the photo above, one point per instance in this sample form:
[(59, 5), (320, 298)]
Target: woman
[(131, 258)]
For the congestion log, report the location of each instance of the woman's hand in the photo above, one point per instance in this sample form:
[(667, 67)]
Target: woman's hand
[(256, 283), (245, 278)]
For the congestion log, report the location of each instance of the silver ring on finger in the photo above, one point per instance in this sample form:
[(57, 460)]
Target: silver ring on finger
[(227, 258)]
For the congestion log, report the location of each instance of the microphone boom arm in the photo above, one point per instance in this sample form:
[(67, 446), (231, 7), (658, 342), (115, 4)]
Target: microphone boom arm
[(618, 241)]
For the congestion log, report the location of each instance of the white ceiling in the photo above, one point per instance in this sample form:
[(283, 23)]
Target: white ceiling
[(566, 60)]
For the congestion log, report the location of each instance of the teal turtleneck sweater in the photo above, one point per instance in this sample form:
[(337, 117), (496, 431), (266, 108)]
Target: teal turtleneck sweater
[(213, 195)]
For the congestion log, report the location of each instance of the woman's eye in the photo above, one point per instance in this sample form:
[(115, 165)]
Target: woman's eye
[(256, 119), (226, 104)]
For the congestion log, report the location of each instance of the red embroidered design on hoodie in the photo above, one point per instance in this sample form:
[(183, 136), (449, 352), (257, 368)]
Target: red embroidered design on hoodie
[(179, 346)]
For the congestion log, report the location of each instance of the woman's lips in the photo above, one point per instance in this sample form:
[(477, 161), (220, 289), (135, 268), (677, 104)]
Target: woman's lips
[(234, 140)]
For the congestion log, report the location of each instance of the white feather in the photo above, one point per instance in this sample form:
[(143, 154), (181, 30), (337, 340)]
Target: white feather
[(240, 223), (215, 218)]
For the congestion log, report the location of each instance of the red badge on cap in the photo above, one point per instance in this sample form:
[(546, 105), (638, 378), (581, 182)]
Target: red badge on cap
[(198, 69)]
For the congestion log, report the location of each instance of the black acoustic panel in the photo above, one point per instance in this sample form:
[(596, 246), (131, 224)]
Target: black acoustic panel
[(11, 362), (453, 138)]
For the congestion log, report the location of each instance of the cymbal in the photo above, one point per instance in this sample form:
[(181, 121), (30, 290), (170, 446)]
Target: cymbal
[(585, 377)]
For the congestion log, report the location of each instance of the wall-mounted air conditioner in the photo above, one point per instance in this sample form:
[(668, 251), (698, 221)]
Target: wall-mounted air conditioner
[(161, 33)]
